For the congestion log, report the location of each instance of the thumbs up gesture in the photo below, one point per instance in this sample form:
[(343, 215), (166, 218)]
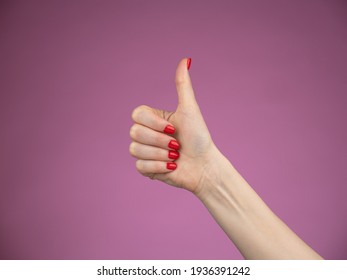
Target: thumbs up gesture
[(173, 147), (176, 148)]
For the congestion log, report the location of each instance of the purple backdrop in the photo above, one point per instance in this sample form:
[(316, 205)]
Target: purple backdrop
[(271, 80)]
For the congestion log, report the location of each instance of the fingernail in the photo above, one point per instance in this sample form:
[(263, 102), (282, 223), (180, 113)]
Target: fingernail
[(171, 165), (173, 144), (189, 61), (169, 129), (173, 154)]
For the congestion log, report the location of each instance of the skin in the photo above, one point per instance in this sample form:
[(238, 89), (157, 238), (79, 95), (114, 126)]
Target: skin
[(203, 170)]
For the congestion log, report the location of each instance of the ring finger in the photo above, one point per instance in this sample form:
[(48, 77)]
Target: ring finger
[(142, 151)]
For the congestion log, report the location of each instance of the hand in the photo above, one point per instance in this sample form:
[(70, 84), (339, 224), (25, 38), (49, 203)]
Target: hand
[(196, 150), (200, 168)]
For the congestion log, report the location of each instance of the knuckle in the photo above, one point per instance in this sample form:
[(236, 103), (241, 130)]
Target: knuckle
[(139, 166), (133, 131), (137, 112), (132, 149)]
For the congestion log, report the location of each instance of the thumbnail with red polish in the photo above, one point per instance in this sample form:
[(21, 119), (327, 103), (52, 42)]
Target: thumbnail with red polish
[(169, 129), (173, 144), (171, 165), (189, 61), (174, 154)]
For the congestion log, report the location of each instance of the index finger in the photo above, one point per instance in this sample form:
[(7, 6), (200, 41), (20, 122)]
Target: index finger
[(146, 116)]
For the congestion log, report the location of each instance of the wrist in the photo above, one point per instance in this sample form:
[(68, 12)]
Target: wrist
[(223, 187), (217, 172)]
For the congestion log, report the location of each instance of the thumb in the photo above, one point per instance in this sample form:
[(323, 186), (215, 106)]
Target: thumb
[(186, 98)]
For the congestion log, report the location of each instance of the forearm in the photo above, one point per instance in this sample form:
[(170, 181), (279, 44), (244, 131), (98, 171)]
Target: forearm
[(256, 231)]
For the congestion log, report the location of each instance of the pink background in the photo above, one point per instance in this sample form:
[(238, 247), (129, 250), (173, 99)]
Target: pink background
[(271, 80)]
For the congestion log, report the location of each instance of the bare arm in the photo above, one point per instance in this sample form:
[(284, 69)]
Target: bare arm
[(255, 230), (176, 148)]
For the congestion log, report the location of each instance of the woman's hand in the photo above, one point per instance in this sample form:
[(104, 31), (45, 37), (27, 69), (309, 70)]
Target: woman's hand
[(176, 148), (173, 147)]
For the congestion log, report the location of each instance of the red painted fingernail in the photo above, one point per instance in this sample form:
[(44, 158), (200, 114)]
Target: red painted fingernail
[(171, 165), (173, 144), (169, 129), (189, 61), (174, 154)]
